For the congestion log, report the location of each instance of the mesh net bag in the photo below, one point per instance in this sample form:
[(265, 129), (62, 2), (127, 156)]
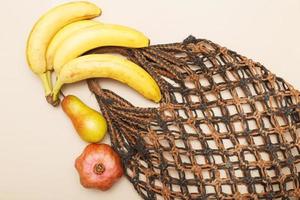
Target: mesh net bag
[(226, 127)]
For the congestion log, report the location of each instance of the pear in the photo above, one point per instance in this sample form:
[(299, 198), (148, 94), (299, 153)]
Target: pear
[(89, 124)]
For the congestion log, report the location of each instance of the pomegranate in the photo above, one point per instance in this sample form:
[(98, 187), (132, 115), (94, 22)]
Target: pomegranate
[(99, 166)]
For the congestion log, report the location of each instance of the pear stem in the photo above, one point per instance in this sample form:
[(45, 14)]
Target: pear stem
[(99, 168)]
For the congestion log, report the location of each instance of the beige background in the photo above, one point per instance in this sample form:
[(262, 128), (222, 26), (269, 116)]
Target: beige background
[(38, 144)]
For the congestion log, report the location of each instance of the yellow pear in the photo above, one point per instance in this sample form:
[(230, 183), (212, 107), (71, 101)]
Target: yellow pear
[(89, 124)]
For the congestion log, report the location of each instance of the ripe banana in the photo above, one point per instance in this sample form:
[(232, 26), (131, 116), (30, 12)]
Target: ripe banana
[(61, 35), (96, 36), (46, 27), (108, 66)]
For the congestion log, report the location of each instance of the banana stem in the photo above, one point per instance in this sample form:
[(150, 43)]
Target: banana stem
[(46, 86), (56, 90), (49, 78)]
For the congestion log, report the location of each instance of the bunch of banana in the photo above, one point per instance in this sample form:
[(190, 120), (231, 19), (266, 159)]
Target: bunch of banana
[(44, 30), (66, 32)]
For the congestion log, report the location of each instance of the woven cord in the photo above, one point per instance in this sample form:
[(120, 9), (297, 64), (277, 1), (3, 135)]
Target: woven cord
[(226, 128)]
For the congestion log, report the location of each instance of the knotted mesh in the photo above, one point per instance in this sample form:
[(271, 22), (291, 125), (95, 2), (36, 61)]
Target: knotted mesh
[(226, 128)]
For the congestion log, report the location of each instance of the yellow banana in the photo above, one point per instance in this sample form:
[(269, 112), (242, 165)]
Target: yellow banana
[(61, 35), (96, 36), (108, 66), (46, 27)]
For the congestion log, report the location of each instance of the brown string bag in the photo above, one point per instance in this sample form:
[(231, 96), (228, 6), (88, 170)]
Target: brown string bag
[(226, 128)]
